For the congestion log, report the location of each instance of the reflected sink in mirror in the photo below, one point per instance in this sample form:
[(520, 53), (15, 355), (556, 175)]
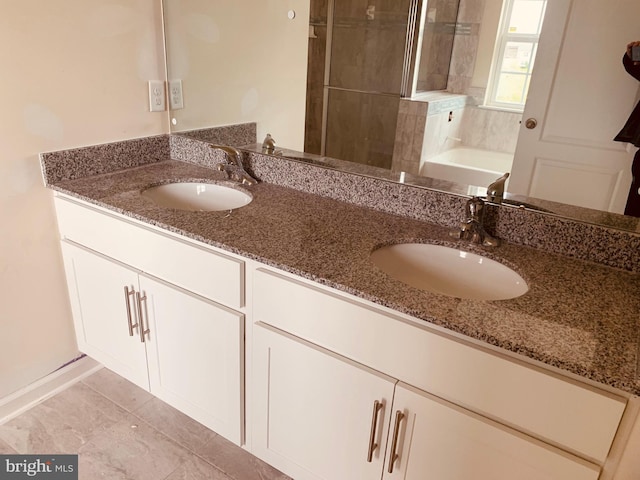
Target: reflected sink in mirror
[(197, 196), (449, 271)]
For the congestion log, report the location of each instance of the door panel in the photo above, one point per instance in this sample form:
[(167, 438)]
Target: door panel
[(100, 312), (570, 156), (442, 441), (195, 356), (313, 410)]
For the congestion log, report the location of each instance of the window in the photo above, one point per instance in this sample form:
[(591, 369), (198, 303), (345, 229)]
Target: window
[(515, 53)]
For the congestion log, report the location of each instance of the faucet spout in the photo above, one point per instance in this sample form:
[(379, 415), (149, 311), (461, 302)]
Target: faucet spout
[(472, 228), (234, 156), (495, 191)]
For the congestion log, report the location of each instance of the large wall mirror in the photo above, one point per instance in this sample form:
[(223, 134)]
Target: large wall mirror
[(460, 91)]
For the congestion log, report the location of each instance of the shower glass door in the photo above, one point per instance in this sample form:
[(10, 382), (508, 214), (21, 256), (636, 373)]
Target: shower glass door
[(364, 81)]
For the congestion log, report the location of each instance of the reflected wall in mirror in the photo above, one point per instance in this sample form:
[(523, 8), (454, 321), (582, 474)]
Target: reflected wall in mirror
[(239, 61), (580, 95)]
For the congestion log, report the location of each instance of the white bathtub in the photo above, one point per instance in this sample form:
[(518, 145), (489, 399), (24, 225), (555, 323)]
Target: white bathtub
[(471, 166)]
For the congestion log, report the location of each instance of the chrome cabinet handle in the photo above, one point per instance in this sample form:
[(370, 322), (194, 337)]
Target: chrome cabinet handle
[(127, 294), (142, 330), (393, 456), (377, 406)]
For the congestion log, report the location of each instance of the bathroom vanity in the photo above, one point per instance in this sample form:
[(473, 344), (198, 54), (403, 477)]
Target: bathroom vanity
[(270, 325)]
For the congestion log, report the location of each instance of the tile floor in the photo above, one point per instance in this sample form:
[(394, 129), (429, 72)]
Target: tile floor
[(119, 431)]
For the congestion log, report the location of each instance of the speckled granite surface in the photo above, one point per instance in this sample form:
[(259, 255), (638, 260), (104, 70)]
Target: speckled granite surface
[(578, 316), (105, 158), (234, 135)]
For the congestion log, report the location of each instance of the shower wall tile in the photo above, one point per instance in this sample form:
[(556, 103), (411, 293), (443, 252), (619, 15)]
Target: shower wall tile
[(470, 11), (407, 149), (362, 127)]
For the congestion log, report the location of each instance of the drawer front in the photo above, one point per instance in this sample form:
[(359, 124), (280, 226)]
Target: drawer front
[(199, 270), (557, 410)]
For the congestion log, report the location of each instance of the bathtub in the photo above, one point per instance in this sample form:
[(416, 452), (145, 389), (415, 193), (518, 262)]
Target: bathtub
[(471, 166)]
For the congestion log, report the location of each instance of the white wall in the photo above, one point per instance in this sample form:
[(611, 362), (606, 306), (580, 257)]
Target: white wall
[(232, 74), (74, 73)]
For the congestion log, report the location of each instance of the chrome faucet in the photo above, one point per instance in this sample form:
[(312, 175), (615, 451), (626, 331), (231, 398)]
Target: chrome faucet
[(234, 167), (269, 144), (495, 191), (472, 228)]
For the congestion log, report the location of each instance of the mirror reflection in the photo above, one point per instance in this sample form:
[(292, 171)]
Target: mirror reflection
[(424, 87)]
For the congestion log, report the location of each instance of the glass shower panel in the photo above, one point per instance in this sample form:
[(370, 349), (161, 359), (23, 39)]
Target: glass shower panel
[(361, 127), (438, 35), (368, 45)]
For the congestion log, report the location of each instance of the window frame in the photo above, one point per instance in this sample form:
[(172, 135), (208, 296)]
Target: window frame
[(503, 38)]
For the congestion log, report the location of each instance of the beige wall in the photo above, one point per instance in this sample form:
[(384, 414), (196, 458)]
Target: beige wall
[(231, 74), (74, 73)]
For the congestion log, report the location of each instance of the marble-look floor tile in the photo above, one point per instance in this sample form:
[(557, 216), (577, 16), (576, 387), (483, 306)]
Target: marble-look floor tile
[(6, 449), (238, 463), (174, 424), (197, 469), (63, 423), (130, 450), (118, 389)]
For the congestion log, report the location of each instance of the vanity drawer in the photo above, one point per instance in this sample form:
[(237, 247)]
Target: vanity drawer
[(194, 268), (558, 410)]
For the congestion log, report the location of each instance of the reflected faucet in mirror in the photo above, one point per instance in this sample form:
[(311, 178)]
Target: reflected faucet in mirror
[(495, 191)]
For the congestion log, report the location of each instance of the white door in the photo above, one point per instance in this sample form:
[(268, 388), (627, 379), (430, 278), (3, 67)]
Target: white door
[(314, 413), (570, 156), (436, 439), (195, 352), (105, 314)]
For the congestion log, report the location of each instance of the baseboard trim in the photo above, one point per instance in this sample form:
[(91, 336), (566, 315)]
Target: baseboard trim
[(19, 402)]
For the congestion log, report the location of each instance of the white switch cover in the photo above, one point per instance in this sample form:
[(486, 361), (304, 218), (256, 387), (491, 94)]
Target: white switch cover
[(156, 96), (175, 95)]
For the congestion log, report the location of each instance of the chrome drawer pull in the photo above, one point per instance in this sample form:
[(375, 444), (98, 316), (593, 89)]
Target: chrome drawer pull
[(127, 294), (139, 301), (377, 406), (393, 456)]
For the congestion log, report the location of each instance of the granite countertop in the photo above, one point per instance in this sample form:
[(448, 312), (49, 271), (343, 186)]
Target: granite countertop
[(578, 316)]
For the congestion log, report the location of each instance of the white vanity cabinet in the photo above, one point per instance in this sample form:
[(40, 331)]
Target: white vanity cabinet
[(456, 411), (103, 303), (184, 348), (316, 415)]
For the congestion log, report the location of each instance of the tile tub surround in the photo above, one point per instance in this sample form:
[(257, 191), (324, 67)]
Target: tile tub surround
[(578, 316)]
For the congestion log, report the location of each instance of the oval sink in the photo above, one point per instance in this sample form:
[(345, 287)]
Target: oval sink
[(449, 271), (197, 197)]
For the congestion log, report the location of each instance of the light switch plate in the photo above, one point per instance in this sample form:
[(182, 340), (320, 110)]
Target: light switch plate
[(176, 101), (157, 101)]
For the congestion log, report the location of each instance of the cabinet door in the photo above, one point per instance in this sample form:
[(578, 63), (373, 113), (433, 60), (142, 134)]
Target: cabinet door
[(313, 412), (437, 439), (195, 352), (101, 312)]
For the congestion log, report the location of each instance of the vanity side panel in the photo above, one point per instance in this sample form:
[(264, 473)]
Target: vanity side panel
[(560, 411)]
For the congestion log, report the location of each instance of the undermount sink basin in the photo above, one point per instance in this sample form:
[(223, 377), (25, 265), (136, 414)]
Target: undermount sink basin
[(449, 271), (197, 197)]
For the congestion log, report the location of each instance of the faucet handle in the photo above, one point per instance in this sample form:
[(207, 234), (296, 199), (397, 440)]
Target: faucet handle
[(495, 191)]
